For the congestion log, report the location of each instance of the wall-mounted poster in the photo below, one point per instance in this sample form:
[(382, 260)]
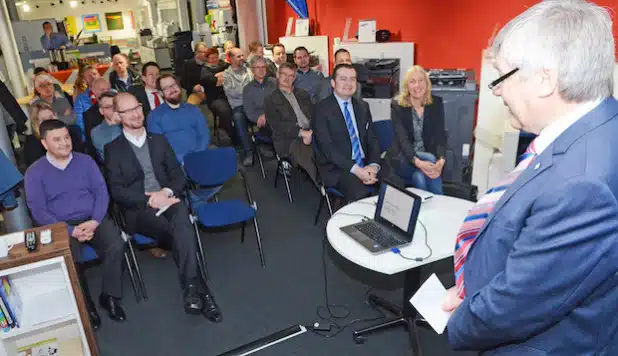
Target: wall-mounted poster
[(91, 23), (114, 21)]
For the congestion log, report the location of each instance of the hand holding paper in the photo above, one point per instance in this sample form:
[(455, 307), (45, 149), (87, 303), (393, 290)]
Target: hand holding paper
[(428, 301)]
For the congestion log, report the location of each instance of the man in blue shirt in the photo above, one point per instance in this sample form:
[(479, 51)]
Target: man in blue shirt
[(183, 125), (53, 40), (110, 128)]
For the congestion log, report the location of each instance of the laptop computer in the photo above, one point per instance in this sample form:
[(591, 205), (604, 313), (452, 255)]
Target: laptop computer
[(394, 221)]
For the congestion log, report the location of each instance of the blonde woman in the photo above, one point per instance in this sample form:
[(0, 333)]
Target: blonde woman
[(419, 141), (46, 92), (33, 148)]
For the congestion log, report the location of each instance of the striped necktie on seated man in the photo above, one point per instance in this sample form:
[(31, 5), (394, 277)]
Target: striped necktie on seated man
[(478, 214)]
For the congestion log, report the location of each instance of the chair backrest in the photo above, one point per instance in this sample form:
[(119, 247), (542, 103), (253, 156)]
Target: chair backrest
[(211, 167), (384, 132)]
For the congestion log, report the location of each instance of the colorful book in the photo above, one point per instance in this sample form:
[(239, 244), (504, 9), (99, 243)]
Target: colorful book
[(11, 300), (3, 324), (6, 313)]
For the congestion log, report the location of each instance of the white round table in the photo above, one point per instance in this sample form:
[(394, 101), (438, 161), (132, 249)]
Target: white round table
[(441, 215)]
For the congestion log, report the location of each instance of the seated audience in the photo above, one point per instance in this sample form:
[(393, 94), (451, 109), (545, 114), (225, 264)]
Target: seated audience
[(86, 99), (288, 111), (110, 128), (348, 154), (46, 92), (40, 71), (33, 149), (342, 56), (419, 143), (66, 186), (145, 178), (93, 116), (123, 77), (254, 94), (279, 55), (307, 78), (147, 94), (210, 80), (235, 77), (183, 125), (256, 48)]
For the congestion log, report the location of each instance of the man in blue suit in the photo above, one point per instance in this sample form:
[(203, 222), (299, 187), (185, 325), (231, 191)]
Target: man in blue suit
[(536, 260)]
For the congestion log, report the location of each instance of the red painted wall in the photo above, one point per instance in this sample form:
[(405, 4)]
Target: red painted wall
[(447, 33)]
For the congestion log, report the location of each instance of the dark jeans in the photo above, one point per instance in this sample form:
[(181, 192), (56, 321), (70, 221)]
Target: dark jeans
[(240, 123), (222, 109), (173, 228), (410, 173), (110, 247)]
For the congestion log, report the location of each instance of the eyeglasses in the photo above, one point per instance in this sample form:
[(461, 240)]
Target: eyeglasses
[(171, 86), (496, 82), (131, 110), (259, 67)]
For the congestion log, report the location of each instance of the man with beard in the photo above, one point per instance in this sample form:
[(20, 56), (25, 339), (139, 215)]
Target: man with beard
[(183, 125), (144, 178)]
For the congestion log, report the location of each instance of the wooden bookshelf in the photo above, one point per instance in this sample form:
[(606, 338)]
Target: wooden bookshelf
[(54, 260)]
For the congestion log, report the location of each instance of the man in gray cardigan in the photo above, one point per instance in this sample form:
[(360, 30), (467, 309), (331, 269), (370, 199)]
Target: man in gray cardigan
[(235, 77)]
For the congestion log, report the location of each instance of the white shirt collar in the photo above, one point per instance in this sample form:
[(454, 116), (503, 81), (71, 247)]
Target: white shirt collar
[(150, 91), (173, 106), (137, 141), (53, 162), (556, 128)]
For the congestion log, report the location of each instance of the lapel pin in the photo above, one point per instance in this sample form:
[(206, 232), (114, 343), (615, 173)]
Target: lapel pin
[(537, 166)]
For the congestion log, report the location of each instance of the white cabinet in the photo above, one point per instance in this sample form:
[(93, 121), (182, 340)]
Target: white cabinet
[(161, 56)]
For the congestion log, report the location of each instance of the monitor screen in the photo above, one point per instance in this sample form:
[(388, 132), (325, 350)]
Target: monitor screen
[(398, 208)]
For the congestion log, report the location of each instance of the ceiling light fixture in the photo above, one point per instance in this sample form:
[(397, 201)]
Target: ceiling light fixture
[(25, 7), (73, 3)]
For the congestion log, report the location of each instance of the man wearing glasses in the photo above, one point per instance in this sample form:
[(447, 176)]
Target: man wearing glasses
[(147, 182), (110, 128), (255, 92), (182, 124), (535, 259)]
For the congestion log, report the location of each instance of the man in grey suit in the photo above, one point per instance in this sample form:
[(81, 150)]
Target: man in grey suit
[(288, 111)]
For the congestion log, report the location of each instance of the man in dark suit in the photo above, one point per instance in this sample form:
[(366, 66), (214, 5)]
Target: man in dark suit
[(146, 180), (93, 116), (288, 111), (535, 259), (147, 94), (347, 152)]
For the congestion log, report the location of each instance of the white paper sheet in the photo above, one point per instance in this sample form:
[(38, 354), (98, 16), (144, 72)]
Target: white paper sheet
[(428, 301)]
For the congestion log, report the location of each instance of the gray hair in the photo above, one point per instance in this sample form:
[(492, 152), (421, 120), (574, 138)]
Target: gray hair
[(254, 59), (573, 37)]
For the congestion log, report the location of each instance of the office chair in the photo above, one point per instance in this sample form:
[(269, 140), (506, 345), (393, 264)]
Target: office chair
[(199, 168), (259, 140)]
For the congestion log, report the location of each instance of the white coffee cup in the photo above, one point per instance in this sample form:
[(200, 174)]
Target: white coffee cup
[(4, 248)]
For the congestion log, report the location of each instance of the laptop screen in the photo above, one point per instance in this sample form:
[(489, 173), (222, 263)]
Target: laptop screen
[(398, 208)]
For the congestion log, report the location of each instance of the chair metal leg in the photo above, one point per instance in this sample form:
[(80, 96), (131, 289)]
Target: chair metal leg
[(317, 214), (256, 151), (287, 186), (259, 242), (201, 260), (330, 206), (242, 232), (132, 277), (138, 272)]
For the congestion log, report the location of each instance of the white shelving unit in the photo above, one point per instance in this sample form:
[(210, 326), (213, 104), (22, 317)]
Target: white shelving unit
[(49, 308)]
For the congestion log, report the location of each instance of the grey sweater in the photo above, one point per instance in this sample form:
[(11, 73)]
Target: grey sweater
[(234, 80)]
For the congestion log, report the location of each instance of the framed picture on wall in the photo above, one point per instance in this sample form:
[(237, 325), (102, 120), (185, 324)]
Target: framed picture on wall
[(91, 23), (114, 21)]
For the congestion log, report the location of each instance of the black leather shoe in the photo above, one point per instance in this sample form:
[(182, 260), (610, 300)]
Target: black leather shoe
[(193, 302), (95, 319), (112, 305), (211, 309)]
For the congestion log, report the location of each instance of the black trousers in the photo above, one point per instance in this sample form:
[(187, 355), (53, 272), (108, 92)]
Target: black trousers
[(221, 108), (302, 155), (173, 228), (110, 247), (353, 189)]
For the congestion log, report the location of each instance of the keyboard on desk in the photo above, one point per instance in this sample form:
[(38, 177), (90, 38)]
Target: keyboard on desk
[(378, 234)]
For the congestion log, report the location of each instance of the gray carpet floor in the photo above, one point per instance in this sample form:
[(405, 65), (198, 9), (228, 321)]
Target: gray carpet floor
[(259, 301)]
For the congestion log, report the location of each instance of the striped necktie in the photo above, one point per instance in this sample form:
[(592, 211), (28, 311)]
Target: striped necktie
[(479, 213), (357, 154)]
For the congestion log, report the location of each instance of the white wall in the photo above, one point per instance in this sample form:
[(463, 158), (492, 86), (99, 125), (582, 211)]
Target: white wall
[(60, 11)]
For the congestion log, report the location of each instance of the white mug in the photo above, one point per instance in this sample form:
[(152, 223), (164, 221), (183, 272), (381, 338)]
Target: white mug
[(4, 248)]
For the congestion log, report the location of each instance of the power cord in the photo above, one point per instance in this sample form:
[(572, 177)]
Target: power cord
[(417, 259), (335, 313)]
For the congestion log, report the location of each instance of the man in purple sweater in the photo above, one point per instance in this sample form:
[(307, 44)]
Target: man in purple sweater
[(68, 186)]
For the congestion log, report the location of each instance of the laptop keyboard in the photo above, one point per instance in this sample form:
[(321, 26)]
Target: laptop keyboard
[(379, 235)]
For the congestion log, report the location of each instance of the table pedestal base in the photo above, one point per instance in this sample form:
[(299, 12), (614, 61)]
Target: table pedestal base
[(405, 316)]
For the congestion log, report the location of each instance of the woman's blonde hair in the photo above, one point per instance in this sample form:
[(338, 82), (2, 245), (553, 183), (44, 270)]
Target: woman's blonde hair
[(35, 122), (403, 98)]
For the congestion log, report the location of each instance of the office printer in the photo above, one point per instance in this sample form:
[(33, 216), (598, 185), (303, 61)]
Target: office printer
[(452, 79), (379, 78)]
